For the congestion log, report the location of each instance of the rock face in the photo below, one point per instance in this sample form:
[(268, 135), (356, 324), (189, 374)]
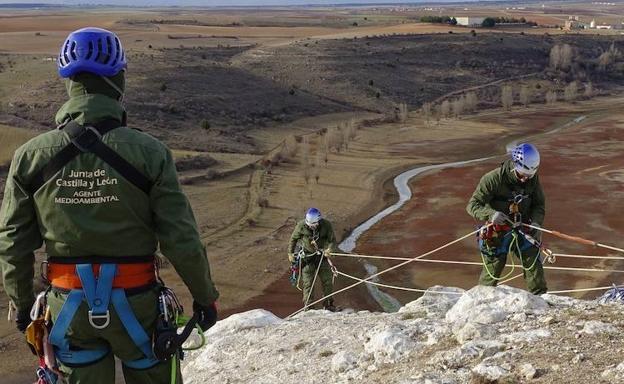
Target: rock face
[(447, 336)]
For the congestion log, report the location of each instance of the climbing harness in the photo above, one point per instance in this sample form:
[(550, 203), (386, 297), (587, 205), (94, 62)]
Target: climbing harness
[(98, 293), (109, 288)]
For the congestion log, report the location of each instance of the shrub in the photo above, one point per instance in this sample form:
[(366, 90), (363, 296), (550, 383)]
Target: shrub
[(205, 124)]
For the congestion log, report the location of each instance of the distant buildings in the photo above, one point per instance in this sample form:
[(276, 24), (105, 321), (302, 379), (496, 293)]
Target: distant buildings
[(573, 23), (469, 21)]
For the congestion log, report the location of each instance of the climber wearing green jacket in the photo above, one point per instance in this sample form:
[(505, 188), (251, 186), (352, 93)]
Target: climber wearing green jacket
[(512, 190), (316, 240), (102, 198)]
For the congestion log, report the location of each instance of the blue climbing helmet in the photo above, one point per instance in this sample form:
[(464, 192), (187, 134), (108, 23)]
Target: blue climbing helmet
[(526, 159), (312, 217), (93, 50)]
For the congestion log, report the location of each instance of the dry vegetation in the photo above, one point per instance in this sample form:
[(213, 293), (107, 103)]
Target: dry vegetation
[(11, 138)]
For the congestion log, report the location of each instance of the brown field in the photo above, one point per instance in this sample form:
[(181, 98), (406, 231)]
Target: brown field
[(11, 138), (257, 77)]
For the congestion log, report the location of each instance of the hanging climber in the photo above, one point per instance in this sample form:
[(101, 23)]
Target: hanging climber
[(506, 197), (103, 198), (315, 239)]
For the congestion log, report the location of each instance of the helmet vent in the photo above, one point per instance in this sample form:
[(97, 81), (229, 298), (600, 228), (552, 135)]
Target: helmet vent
[(90, 52), (72, 50)]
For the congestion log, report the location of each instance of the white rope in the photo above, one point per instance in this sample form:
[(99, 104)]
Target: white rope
[(512, 278), (397, 287), (588, 256), (318, 268), (475, 263), (582, 290), (461, 293), (388, 270)]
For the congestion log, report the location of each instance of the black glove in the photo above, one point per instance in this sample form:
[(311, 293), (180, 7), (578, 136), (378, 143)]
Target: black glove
[(22, 320), (207, 315)]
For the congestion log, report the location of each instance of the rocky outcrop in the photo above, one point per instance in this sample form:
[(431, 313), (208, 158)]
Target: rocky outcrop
[(448, 336)]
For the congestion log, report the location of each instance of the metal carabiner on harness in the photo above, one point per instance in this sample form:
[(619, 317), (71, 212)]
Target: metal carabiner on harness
[(105, 316)]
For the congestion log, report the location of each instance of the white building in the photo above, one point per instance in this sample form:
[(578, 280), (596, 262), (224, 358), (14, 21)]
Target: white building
[(469, 21)]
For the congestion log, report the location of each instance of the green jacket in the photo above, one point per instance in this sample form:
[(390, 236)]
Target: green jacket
[(88, 209), (497, 188), (323, 236)]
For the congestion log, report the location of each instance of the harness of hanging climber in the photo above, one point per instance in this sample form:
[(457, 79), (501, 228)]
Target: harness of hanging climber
[(503, 240)]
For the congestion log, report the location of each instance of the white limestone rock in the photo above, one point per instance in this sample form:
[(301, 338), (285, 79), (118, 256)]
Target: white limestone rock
[(598, 327), (490, 305)]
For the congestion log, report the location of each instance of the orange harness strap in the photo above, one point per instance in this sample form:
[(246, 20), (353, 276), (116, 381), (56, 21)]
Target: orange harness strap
[(128, 276)]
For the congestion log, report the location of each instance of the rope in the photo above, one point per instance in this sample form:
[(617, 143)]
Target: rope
[(387, 270), (581, 290), (512, 278), (397, 287), (474, 263), (318, 268), (514, 240), (588, 256), (576, 239), (460, 293)]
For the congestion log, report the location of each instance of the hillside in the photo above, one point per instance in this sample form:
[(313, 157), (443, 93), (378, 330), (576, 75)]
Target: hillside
[(448, 336)]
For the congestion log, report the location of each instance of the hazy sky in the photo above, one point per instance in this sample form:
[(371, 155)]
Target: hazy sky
[(217, 2)]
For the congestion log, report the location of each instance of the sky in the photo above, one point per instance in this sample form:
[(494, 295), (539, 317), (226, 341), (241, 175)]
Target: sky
[(218, 2)]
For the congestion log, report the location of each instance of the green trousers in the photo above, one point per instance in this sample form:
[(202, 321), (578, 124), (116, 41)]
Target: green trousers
[(114, 337), (533, 270), (325, 276)]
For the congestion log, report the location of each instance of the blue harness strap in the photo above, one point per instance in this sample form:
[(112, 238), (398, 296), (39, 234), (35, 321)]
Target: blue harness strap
[(58, 335), (135, 331), (99, 294), (503, 249)]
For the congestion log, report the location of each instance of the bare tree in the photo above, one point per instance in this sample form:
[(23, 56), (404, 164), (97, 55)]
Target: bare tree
[(305, 149), (445, 109), (458, 106), (526, 95), (589, 90), (317, 166), (551, 97), (507, 97), (561, 57), (608, 58), (555, 54), (471, 101), (336, 138), (401, 112), (351, 129), (570, 92), (325, 148), (426, 112), (289, 147), (567, 54)]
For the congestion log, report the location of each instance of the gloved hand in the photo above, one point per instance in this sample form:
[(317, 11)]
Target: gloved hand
[(207, 315), (327, 253), (291, 257), (22, 320), (498, 218)]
